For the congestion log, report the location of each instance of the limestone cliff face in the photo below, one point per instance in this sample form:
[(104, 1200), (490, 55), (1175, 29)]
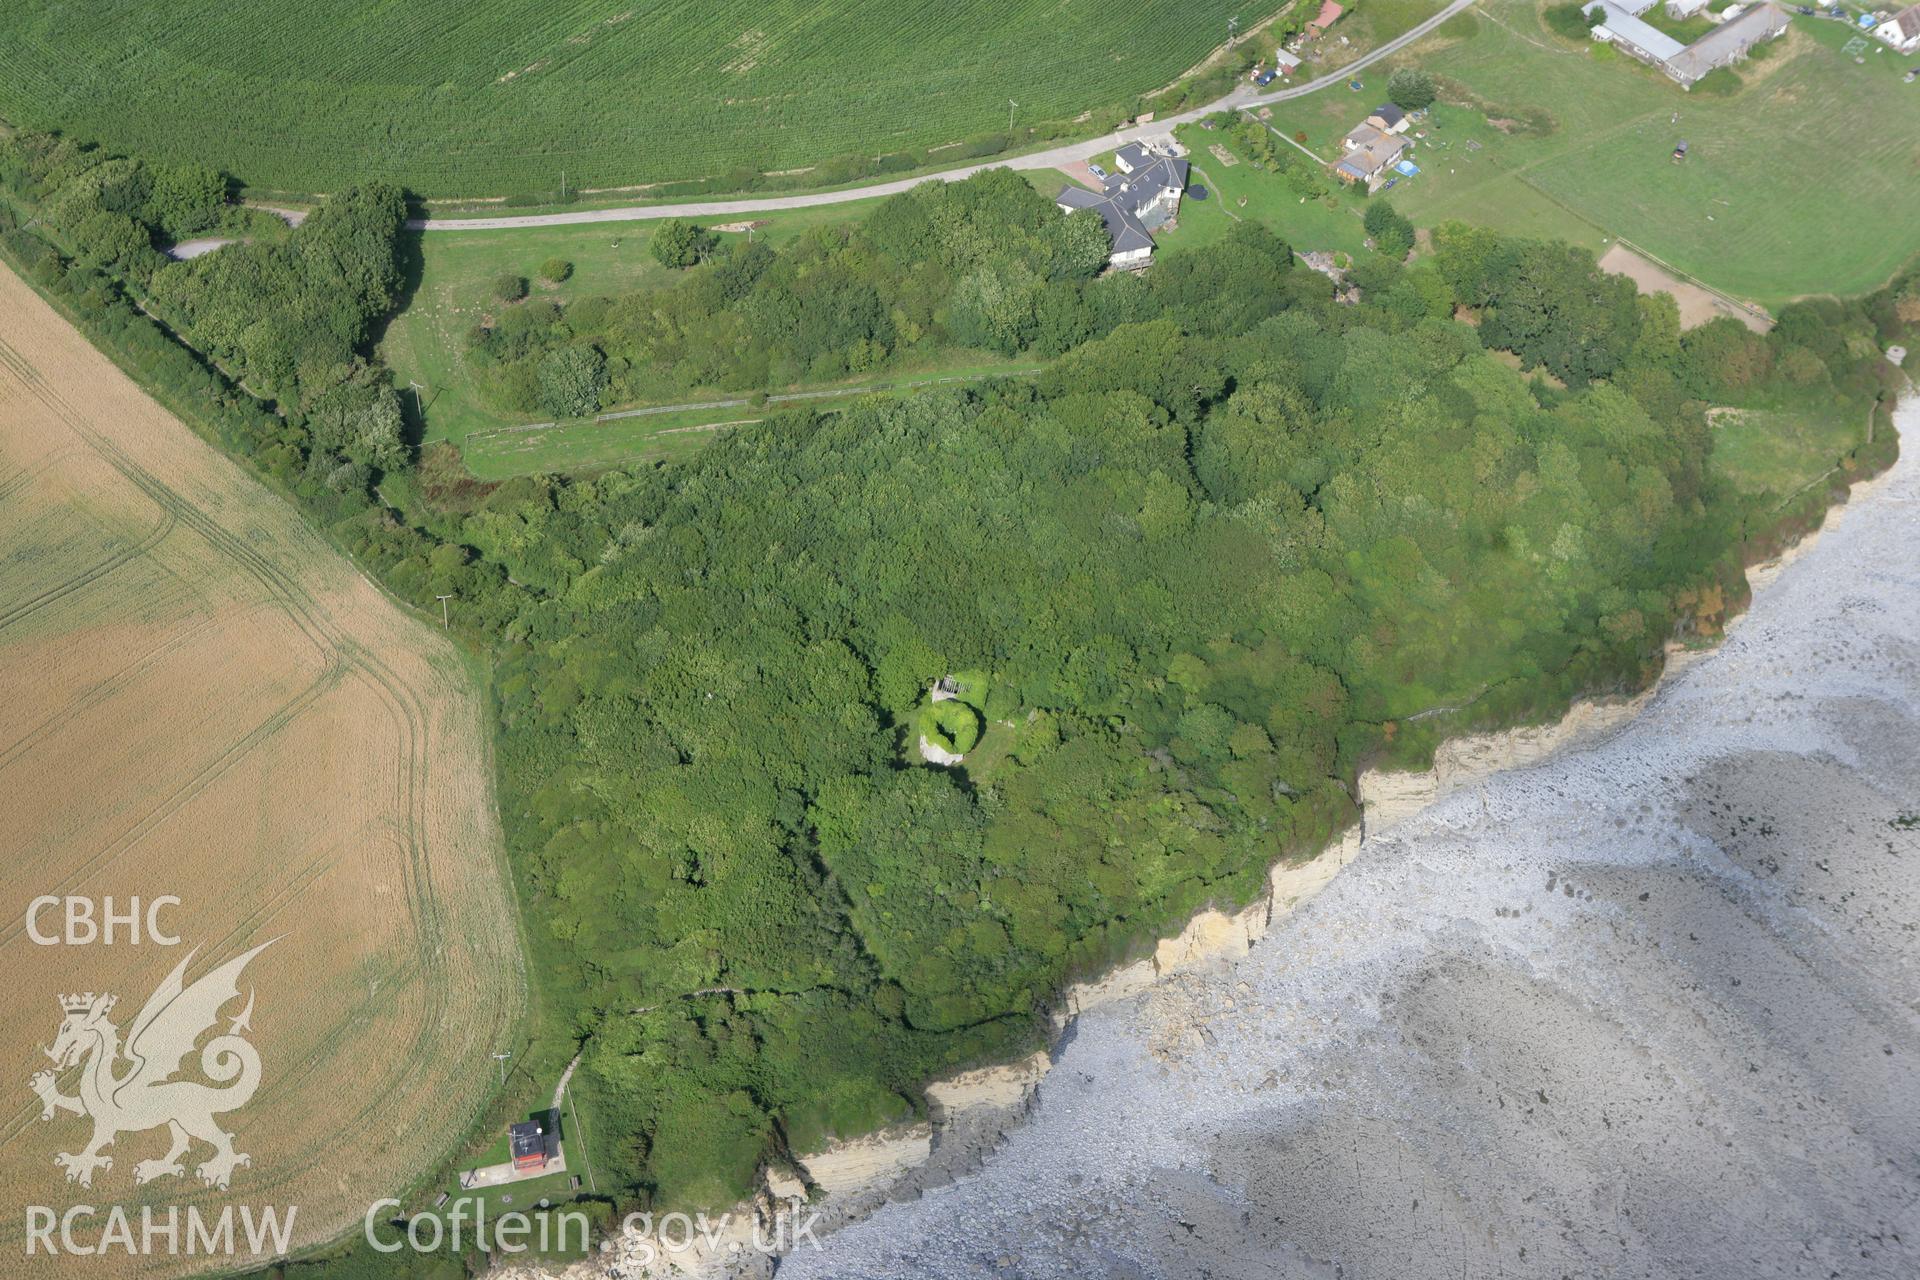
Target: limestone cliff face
[(1390, 797), (872, 1160)]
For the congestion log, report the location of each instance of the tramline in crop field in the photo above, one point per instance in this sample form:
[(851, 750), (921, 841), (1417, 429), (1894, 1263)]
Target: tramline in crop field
[(489, 97), (200, 699)]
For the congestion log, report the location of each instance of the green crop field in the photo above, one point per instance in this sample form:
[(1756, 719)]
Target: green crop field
[(1801, 182), (478, 97)]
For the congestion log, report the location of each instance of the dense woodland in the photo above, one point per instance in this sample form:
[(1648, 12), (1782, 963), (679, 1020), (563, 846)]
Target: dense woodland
[(1226, 548)]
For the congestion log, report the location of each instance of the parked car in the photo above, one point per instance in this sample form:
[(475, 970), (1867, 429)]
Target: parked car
[(1096, 171), (1264, 79)]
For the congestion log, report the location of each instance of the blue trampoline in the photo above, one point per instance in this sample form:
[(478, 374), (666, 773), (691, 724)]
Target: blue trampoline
[(1408, 167)]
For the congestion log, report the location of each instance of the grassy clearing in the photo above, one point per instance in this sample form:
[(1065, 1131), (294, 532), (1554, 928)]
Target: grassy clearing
[(1796, 184), (455, 273), (1781, 449), (1365, 27), (426, 342), (489, 97)]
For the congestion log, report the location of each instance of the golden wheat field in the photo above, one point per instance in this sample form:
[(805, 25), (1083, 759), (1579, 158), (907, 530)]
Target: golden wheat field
[(200, 698)]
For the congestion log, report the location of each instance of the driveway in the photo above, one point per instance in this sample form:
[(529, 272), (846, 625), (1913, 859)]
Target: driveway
[(1052, 158)]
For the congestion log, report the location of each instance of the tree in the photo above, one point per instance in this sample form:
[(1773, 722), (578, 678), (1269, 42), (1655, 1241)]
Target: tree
[(571, 380), (185, 198), (109, 240), (554, 270), (510, 287), (1082, 245), (994, 308), (1392, 233), (1411, 89), (359, 417), (1570, 21), (679, 243)]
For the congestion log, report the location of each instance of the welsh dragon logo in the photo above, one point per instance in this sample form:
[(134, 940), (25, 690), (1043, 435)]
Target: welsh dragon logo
[(140, 1094)]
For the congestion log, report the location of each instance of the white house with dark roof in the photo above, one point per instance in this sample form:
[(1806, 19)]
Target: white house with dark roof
[(1134, 155), (1902, 30), (1134, 203)]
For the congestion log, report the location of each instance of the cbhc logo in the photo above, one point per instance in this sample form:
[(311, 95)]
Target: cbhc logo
[(85, 923)]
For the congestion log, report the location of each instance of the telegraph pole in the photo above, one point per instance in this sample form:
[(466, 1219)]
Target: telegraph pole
[(419, 410), (445, 624), (1011, 104), (500, 1058), (1233, 27)]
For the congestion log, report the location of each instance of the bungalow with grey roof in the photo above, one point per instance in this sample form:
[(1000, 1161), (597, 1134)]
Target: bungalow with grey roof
[(1370, 153)]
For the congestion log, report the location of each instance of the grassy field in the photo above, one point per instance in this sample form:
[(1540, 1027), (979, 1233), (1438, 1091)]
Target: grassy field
[(478, 97), (1802, 182), (204, 700)]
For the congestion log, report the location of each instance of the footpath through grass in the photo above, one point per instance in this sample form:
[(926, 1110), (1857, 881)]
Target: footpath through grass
[(674, 433)]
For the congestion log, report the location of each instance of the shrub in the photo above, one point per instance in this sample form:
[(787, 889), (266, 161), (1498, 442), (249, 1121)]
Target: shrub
[(570, 381), (510, 287), (679, 243), (951, 725), (554, 270), (1392, 233), (1567, 20), (1411, 89)]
